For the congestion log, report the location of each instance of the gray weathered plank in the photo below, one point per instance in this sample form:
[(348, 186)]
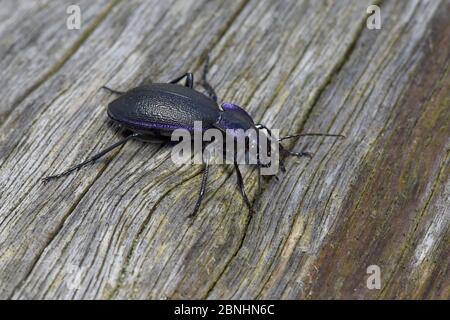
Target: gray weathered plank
[(55, 109), (120, 227), (280, 255)]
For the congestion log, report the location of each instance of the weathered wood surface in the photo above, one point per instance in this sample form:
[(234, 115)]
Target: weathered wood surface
[(119, 229)]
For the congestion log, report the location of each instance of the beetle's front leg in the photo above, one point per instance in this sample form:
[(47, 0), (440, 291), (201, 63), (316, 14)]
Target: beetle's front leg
[(295, 154), (240, 182), (112, 90), (189, 80)]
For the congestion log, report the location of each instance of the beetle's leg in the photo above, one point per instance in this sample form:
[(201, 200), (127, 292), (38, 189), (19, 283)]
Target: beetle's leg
[(286, 152), (112, 90), (295, 154), (240, 183), (259, 177), (201, 193), (212, 94), (153, 138), (189, 79), (92, 159)]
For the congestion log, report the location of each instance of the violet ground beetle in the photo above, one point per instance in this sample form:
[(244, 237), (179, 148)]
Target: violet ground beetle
[(152, 112)]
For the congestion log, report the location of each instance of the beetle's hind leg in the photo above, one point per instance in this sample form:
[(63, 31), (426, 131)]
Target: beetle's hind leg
[(93, 158), (112, 90), (205, 84), (189, 80)]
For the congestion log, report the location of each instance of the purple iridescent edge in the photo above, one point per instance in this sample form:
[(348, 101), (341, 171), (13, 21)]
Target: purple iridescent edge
[(231, 106), (147, 125)]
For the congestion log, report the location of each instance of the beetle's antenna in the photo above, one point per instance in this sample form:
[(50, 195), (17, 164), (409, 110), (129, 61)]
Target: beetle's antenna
[(201, 193), (259, 178), (112, 90), (311, 134)]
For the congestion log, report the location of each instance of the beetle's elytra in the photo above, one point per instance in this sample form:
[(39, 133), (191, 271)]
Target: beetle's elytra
[(152, 112), (163, 107)]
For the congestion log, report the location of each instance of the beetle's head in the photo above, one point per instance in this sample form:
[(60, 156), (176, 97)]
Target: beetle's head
[(240, 125)]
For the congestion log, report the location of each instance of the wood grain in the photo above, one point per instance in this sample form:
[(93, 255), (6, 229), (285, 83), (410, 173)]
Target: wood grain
[(120, 228)]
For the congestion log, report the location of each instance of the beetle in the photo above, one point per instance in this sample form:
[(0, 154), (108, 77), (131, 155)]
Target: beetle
[(153, 111)]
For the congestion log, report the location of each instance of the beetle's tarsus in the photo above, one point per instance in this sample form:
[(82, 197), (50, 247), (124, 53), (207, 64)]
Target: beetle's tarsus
[(47, 179), (282, 167), (295, 154), (93, 158), (112, 90), (240, 183), (70, 170), (201, 193)]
